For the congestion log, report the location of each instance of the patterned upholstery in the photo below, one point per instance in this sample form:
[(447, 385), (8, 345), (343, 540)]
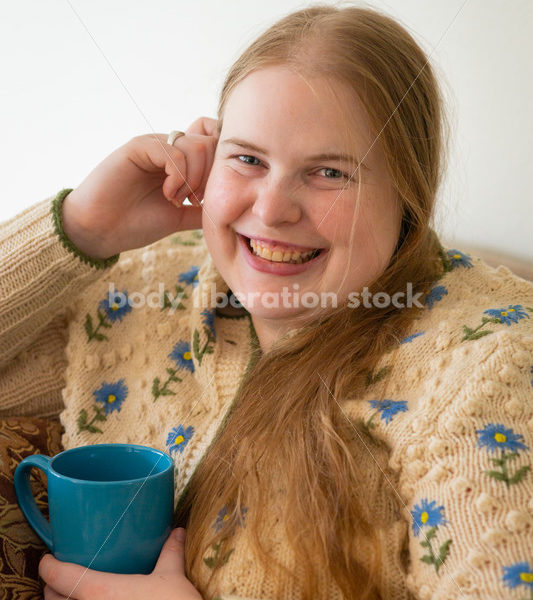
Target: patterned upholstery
[(20, 547)]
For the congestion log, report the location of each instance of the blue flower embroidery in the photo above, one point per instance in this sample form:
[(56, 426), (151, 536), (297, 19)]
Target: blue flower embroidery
[(428, 514), (112, 395), (518, 574), (387, 409), (435, 295), (181, 355), (178, 438), (116, 306), (209, 320), (512, 313), (497, 436), (410, 338), (223, 517), (113, 308), (190, 276), (459, 259)]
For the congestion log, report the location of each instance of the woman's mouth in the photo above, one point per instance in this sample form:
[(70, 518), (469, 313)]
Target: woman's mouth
[(277, 261)]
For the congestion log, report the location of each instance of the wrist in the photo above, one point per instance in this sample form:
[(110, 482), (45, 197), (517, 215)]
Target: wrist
[(79, 234), (74, 236)]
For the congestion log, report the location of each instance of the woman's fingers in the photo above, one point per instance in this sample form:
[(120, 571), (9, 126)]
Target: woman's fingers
[(199, 151), (204, 126), (50, 594)]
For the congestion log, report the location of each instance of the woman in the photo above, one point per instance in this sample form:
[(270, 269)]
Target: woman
[(343, 450)]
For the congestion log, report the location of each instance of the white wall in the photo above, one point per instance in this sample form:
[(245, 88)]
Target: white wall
[(78, 78)]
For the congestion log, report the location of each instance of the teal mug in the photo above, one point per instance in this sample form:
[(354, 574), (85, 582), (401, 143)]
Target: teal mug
[(110, 505)]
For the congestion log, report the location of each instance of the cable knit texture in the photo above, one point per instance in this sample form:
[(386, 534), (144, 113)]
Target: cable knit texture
[(155, 365)]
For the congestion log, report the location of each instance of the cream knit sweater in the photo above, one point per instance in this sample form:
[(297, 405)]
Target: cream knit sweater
[(454, 400)]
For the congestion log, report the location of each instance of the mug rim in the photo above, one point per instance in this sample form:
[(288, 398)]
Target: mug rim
[(162, 473)]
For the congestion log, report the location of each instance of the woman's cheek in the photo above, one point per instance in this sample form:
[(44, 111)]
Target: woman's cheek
[(225, 198)]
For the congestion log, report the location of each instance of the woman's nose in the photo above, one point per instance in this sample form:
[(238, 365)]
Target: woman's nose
[(275, 203)]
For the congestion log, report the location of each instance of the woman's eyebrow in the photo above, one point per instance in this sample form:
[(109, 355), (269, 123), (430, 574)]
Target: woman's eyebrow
[(323, 156)]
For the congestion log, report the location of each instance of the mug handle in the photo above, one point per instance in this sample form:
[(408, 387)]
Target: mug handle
[(25, 497)]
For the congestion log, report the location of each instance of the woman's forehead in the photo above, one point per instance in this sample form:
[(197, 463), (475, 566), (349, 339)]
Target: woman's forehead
[(279, 99)]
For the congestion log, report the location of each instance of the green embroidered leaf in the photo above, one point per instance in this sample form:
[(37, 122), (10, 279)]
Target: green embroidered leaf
[(196, 343), (166, 392), (100, 413), (371, 378), (155, 388), (479, 334), (497, 461), (427, 559), (82, 419), (172, 375), (93, 429), (443, 552), (102, 319), (490, 320), (496, 475), (210, 562), (425, 544), (225, 558), (431, 533), (509, 456), (165, 300), (88, 325), (519, 475)]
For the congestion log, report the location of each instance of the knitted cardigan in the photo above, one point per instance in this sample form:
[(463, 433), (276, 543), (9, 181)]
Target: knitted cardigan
[(152, 364)]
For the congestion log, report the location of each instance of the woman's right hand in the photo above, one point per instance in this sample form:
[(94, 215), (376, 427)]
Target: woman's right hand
[(135, 196)]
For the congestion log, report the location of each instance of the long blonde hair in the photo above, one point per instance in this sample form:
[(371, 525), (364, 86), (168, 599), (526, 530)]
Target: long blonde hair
[(285, 430)]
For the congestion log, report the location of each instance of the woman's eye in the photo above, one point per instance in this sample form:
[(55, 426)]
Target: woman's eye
[(336, 173), (246, 162)]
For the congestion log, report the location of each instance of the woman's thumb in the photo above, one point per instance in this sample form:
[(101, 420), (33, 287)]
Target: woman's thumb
[(172, 557)]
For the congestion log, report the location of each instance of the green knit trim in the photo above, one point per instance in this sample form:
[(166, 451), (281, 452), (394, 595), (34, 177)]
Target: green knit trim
[(57, 217)]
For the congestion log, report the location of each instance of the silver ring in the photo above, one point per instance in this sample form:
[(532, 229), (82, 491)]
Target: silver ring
[(173, 136)]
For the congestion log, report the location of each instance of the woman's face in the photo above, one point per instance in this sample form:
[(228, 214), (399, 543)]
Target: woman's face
[(268, 181)]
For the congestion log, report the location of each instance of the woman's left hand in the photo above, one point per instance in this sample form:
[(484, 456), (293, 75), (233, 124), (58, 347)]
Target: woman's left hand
[(166, 582)]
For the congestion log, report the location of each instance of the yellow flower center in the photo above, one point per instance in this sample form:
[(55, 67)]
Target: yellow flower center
[(179, 440), (111, 398), (424, 517), (511, 310), (503, 313), (456, 256), (500, 437), (225, 517), (187, 355), (195, 277), (526, 577), (115, 306)]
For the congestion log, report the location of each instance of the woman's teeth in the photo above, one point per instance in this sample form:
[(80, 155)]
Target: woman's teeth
[(281, 256)]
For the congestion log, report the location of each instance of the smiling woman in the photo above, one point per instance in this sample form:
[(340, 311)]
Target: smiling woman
[(303, 104), (288, 199), (331, 450)]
